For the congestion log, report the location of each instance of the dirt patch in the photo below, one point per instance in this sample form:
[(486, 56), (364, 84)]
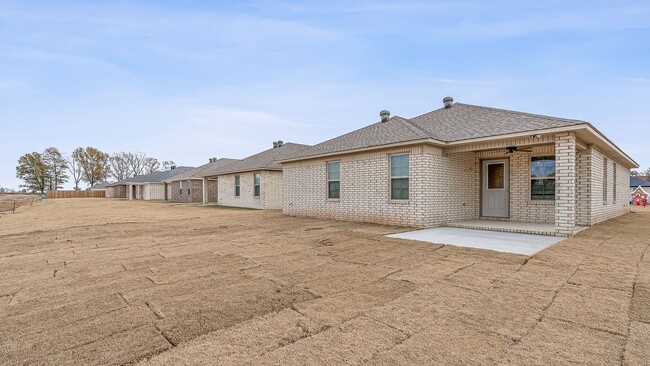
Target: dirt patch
[(101, 282)]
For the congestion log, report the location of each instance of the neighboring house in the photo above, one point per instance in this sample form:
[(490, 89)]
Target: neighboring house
[(639, 186), (99, 186), (639, 182), (150, 186), (189, 186), (253, 182), (116, 190), (462, 162)]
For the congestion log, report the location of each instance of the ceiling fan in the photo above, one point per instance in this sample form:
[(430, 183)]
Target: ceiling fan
[(514, 149)]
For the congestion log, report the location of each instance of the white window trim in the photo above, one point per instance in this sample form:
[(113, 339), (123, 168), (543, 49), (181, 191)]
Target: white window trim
[(328, 180), (254, 174), (390, 175), (237, 185)]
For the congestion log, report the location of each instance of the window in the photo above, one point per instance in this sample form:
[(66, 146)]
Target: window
[(188, 187), (256, 184), (614, 183), (180, 188), (604, 180), (237, 186), (399, 177), (542, 178), (496, 176), (334, 179)]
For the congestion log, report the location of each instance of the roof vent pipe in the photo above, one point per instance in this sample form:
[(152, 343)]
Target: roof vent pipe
[(385, 115), (280, 143), (275, 144), (448, 102)]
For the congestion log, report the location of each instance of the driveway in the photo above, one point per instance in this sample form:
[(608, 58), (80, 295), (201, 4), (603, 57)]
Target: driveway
[(107, 282)]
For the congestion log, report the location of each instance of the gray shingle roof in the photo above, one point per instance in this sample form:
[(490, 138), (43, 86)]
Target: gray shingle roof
[(266, 160), (635, 182), (101, 185), (203, 170), (155, 177), (466, 121), (460, 122)]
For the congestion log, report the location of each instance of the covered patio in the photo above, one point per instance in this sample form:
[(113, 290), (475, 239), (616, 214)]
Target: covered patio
[(528, 184)]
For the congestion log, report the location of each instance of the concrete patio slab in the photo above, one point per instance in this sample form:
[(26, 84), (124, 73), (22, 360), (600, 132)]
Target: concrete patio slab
[(527, 244)]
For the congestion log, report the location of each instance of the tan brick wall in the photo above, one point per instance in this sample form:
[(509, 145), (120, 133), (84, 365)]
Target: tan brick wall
[(270, 190), (213, 191), (434, 197), (196, 191), (116, 192), (565, 184), (446, 187), (522, 208), (602, 210)]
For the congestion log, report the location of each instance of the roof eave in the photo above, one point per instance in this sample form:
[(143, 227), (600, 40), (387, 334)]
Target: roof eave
[(243, 171), (428, 141)]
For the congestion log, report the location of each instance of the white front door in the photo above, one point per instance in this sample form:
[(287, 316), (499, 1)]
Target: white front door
[(495, 188)]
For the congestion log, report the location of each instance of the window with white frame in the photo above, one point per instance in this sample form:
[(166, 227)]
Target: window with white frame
[(257, 177), (188, 188), (334, 179), (542, 178), (180, 188), (399, 177), (237, 191)]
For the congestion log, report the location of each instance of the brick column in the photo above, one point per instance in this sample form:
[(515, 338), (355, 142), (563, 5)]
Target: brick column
[(205, 191), (565, 183)]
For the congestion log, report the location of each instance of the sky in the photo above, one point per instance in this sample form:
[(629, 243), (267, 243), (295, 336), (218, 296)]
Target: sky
[(190, 80)]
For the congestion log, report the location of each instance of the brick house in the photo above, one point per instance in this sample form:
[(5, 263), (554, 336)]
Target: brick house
[(150, 186), (188, 185), (116, 190), (253, 182), (462, 162)]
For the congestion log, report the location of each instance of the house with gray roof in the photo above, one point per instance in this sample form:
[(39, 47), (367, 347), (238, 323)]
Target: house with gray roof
[(190, 187), (463, 163), (255, 181), (639, 188), (150, 186)]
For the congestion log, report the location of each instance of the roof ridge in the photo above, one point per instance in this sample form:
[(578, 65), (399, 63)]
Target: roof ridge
[(516, 112), (415, 128)]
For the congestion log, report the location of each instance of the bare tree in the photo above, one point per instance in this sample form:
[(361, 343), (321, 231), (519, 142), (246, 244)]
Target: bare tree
[(141, 164), (168, 164), (151, 165), (75, 168), (56, 165), (120, 165)]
